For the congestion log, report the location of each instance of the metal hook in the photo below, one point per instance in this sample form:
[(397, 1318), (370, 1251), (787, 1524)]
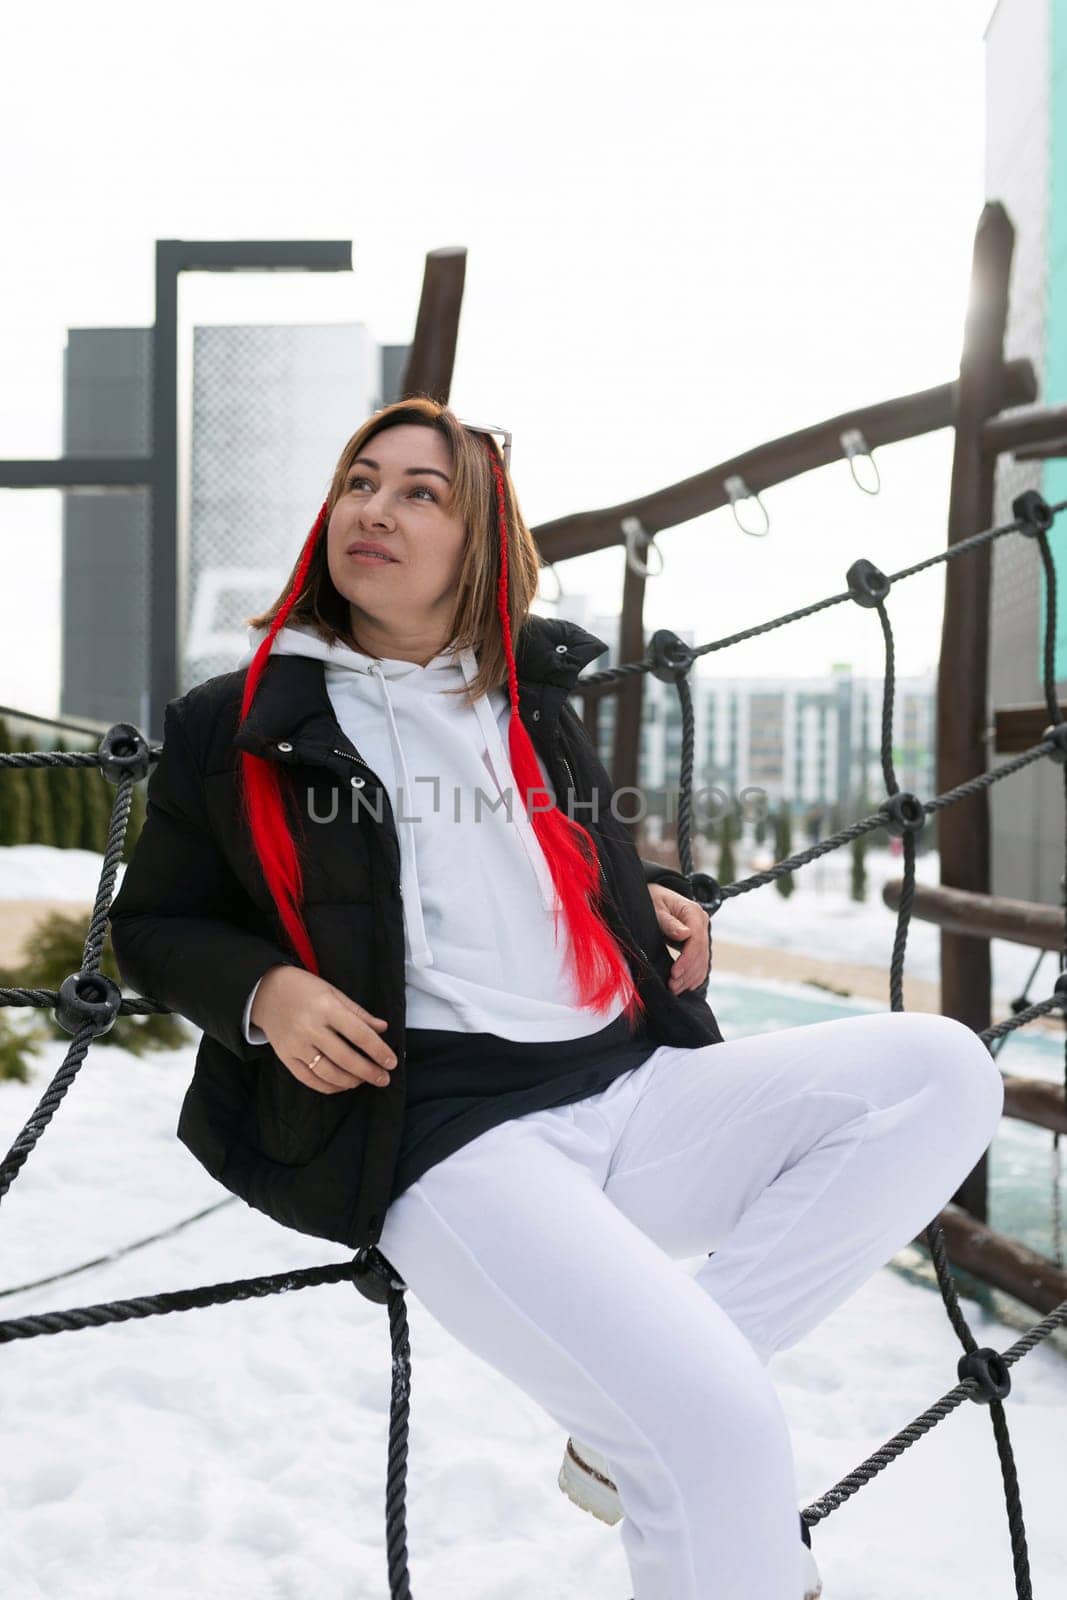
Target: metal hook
[(854, 444), (738, 489), (550, 566), (633, 530)]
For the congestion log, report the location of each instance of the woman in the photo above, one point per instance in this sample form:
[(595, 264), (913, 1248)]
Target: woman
[(381, 869)]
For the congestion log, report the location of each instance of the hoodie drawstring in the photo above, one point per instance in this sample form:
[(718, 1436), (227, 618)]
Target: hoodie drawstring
[(505, 778), (421, 954)]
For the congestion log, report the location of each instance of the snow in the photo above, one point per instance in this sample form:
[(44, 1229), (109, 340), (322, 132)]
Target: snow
[(241, 1450), (41, 872)]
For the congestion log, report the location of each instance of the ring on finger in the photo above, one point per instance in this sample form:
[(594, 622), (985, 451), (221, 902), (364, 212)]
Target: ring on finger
[(316, 1057)]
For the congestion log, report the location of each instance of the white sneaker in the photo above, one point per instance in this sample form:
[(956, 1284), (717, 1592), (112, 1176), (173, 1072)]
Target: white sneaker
[(812, 1580), (585, 1478)]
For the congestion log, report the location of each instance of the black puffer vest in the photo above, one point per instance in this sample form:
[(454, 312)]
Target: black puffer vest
[(195, 927)]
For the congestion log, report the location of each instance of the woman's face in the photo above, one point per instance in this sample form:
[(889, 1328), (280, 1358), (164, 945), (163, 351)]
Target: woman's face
[(397, 496)]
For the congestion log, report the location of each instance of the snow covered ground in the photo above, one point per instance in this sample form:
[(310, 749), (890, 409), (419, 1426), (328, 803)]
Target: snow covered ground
[(240, 1451), (40, 872)]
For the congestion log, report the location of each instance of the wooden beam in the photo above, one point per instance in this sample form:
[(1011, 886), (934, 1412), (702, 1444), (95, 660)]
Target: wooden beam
[(1036, 433), (982, 916), (889, 422), (1031, 1100), (432, 355), (630, 698), (999, 1260), (1019, 728)]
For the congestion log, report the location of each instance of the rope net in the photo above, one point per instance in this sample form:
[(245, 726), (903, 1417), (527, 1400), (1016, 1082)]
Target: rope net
[(88, 1002)]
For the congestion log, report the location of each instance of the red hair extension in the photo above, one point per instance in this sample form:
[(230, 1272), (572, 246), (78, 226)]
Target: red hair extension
[(264, 804), (597, 963)]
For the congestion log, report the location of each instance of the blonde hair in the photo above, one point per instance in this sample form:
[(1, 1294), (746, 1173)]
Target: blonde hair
[(493, 600)]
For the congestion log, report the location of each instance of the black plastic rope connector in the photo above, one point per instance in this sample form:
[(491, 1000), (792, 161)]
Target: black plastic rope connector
[(124, 753), (1032, 512), (906, 814), (1058, 732), (671, 657), (707, 891), (88, 998), (1060, 986), (991, 1371), (867, 584), (374, 1276)]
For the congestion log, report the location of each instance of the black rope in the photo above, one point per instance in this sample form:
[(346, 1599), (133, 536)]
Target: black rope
[(984, 1373), (157, 1305), (46, 1108)]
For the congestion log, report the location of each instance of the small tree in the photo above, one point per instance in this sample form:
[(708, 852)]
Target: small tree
[(42, 828), (14, 796), (54, 950), (66, 790), (859, 868), (783, 846), (97, 796), (16, 1045), (727, 867), (813, 824)]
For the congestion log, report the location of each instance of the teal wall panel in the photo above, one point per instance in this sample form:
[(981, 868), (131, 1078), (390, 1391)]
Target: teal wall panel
[(1054, 480)]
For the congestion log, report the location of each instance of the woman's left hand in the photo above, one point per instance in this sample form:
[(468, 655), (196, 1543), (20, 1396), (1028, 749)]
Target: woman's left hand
[(687, 926)]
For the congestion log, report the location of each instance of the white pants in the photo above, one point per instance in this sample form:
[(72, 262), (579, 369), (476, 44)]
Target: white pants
[(803, 1158)]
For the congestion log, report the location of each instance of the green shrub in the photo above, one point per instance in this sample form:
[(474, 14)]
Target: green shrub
[(859, 868), (727, 869), (14, 795), (97, 798), (16, 1044), (42, 828), (54, 950), (66, 787), (783, 846)]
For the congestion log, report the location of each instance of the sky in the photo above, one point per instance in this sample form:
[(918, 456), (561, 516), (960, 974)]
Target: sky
[(689, 230)]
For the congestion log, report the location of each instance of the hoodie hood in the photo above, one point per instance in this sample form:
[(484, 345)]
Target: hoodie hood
[(295, 640), (402, 686)]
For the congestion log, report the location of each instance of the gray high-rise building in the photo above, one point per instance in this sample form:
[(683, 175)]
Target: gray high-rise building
[(104, 643), (271, 408)]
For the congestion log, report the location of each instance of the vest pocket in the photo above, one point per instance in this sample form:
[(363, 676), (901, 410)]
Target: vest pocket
[(290, 1122)]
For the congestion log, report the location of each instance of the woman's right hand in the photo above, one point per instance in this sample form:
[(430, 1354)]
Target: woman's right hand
[(303, 1015)]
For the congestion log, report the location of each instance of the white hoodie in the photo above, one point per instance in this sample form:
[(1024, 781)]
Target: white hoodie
[(479, 901)]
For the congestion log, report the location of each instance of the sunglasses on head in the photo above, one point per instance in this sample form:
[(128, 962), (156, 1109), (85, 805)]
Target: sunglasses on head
[(500, 436)]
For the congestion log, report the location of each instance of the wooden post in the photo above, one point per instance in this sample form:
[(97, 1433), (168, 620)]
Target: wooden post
[(433, 349), (962, 685), (984, 916), (591, 718), (629, 700)]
